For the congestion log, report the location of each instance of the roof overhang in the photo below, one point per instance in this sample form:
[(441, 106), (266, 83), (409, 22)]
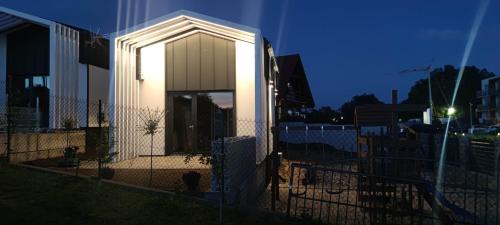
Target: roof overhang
[(181, 24), (11, 18)]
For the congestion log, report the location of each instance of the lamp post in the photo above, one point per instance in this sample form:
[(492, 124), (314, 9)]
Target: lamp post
[(470, 114)]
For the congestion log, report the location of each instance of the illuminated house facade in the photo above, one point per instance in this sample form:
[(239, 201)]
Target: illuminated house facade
[(211, 77), (50, 70)]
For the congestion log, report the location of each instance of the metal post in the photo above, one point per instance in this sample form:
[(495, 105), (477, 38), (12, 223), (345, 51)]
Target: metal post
[(8, 128), (274, 175), (431, 104), (221, 177), (470, 114), (99, 154), (151, 163)]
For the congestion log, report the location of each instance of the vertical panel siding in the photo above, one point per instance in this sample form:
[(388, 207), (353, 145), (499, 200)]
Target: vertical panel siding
[(180, 65), (170, 67), (193, 62), (65, 78), (231, 64), (200, 62), (207, 62), (220, 63)]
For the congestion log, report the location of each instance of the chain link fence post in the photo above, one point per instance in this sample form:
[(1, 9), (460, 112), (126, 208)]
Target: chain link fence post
[(99, 153)]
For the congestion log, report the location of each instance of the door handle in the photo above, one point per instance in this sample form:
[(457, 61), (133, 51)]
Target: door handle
[(191, 126)]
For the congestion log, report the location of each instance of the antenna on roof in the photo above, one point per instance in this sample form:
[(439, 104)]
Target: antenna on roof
[(428, 70), (95, 38)]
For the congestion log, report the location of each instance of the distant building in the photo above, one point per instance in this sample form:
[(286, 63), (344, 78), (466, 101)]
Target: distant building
[(294, 94), (489, 110)]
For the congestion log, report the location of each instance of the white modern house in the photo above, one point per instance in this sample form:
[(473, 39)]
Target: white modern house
[(211, 77), (51, 71)]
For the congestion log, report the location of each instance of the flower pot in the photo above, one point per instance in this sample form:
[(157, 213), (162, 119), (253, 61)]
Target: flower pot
[(70, 158), (191, 180), (70, 152), (107, 173)]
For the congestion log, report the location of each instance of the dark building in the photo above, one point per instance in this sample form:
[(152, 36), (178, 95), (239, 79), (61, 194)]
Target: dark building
[(294, 94)]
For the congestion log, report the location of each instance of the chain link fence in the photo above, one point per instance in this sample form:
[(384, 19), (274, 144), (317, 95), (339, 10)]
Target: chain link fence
[(218, 157), (310, 172)]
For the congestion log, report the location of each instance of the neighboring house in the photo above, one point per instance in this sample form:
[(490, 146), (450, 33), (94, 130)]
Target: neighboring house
[(489, 110), (50, 70), (294, 97), (212, 77)]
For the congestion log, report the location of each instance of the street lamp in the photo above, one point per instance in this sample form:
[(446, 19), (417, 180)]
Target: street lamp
[(451, 111)]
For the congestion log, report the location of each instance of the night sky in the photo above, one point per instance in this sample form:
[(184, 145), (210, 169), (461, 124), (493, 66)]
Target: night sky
[(347, 47)]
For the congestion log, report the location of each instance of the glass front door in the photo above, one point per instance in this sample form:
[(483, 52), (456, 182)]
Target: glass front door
[(182, 123), (196, 119)]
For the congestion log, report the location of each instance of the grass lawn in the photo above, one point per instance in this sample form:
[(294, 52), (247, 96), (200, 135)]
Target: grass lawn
[(33, 197)]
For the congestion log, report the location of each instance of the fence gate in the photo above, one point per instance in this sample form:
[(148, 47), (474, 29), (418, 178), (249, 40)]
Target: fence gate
[(345, 193)]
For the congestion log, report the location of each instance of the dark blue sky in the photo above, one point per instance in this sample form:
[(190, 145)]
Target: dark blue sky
[(348, 47)]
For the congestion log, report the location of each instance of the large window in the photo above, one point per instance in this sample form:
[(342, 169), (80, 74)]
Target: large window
[(196, 119), (29, 95)]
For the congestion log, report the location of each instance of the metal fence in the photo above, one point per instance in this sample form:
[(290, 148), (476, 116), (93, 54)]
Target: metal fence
[(308, 172), (345, 193), (220, 158)]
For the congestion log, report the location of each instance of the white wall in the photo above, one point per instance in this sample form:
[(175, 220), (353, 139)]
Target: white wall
[(152, 93), (98, 90), (245, 85)]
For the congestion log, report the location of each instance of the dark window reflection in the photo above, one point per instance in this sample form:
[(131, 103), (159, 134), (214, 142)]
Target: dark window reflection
[(30, 96), (182, 123), (214, 117)]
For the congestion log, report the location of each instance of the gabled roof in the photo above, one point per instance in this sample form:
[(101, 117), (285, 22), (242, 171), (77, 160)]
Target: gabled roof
[(185, 23), (293, 77)]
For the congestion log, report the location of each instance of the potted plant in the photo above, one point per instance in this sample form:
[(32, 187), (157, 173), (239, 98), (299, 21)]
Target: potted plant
[(206, 157), (70, 154), (104, 145), (106, 157), (192, 180)]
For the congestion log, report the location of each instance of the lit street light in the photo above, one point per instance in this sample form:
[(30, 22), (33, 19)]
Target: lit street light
[(451, 111)]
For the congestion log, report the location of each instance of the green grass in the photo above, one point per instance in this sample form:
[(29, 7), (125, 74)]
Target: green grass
[(33, 197)]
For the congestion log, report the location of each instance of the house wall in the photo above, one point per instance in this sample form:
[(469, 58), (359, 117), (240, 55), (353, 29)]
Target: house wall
[(125, 89), (64, 76), (98, 81), (152, 94)]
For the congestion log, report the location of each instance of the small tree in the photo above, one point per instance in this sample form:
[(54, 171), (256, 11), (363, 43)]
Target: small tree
[(151, 125), (68, 124)]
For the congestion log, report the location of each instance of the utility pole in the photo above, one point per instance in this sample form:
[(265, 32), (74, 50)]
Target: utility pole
[(470, 114)]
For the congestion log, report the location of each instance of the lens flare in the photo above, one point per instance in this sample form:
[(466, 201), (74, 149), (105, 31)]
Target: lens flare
[(284, 11), (118, 15), (468, 48)]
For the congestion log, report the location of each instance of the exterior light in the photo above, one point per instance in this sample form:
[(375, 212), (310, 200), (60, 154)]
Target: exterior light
[(451, 111), (341, 117)]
